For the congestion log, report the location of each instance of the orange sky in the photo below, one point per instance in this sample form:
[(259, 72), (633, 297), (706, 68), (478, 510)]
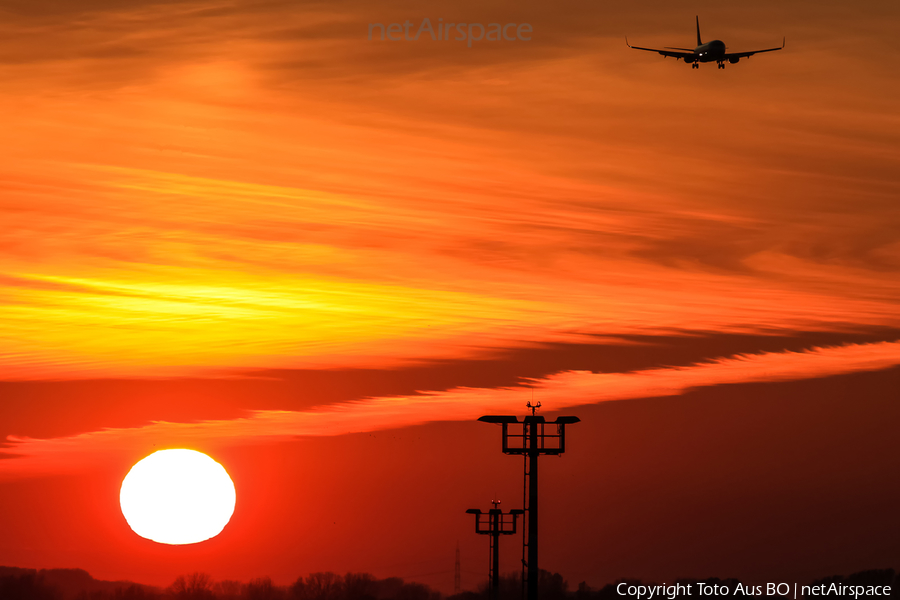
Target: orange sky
[(249, 229)]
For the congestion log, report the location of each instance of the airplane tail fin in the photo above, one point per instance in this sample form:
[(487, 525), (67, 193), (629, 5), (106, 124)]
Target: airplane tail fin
[(699, 43)]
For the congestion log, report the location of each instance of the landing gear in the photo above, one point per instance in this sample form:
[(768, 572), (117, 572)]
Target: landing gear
[(695, 66), (721, 65)]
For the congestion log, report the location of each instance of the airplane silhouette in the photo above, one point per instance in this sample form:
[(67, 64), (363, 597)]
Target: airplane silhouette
[(708, 52)]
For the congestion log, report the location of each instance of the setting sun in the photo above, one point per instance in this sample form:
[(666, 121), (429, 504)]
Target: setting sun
[(177, 497), (304, 248)]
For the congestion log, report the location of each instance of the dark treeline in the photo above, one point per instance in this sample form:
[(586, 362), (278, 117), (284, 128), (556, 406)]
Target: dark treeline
[(76, 584), (70, 584), (551, 586)]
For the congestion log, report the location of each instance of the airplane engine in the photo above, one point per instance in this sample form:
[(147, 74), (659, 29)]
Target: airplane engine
[(734, 60), (688, 59)]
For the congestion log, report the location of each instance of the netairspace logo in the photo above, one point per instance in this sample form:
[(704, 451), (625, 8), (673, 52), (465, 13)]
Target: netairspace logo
[(709, 590), (460, 32)]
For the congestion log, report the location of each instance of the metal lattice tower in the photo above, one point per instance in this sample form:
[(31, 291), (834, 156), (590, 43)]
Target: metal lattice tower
[(531, 438)]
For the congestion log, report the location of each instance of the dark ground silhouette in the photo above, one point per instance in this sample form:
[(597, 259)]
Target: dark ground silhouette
[(77, 584)]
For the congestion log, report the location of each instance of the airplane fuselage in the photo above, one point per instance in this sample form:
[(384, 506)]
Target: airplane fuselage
[(713, 51)]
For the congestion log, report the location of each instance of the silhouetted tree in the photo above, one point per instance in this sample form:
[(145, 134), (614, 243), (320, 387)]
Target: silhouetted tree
[(510, 587), (263, 589), (583, 592), (467, 595), (551, 586), (360, 586), (228, 589), (27, 586), (416, 591), (196, 586), (318, 586), (388, 588), (134, 592)]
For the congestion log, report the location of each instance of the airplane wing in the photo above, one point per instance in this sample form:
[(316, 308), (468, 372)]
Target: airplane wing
[(663, 52), (730, 55)]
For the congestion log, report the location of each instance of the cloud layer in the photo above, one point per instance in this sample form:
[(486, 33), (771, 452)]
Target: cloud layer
[(195, 188), (560, 391)]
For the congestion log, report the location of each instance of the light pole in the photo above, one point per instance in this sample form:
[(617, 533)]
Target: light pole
[(498, 523), (531, 438)]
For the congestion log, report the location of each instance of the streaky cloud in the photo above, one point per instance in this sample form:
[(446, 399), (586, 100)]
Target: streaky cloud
[(560, 391)]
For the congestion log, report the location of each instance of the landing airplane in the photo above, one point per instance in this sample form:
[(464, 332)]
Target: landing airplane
[(708, 52)]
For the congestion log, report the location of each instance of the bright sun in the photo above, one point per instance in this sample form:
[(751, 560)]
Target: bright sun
[(177, 497)]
